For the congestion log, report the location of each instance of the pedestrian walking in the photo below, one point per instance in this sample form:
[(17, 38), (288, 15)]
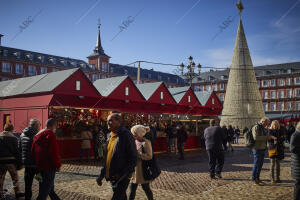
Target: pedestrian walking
[(230, 139), (25, 145), (214, 138), (226, 137), (10, 159), (260, 137), (295, 160), (121, 158), (144, 150), (276, 150), (237, 133), (182, 136), (86, 137), (290, 129), (47, 159)]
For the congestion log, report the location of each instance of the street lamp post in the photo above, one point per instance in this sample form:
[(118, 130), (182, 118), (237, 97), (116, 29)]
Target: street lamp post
[(190, 74)]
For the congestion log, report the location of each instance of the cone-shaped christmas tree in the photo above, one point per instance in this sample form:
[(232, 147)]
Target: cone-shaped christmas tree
[(242, 106)]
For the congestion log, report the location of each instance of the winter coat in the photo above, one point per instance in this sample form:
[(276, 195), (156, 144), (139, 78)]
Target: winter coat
[(181, 136), (25, 144), (124, 158), (295, 157), (45, 151), (146, 154), (230, 132), (214, 138), (260, 137), (86, 137), (280, 143), (289, 131), (9, 151)]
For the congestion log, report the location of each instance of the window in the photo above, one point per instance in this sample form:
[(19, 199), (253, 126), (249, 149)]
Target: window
[(149, 76), (222, 86), (224, 77), (289, 71), (31, 70), (159, 77), (77, 86), (126, 91), (289, 81), (5, 52), (104, 67), (265, 95), (43, 70), (273, 94), (265, 106), (265, 83), (215, 88), (6, 67), (281, 106), (298, 105), (289, 105), (189, 99), (29, 56), (54, 70), (273, 83), (297, 80), (289, 93), (201, 87), (208, 87), (221, 97), (161, 95), (281, 82), (125, 72), (281, 94), (196, 88), (297, 92), (94, 77), (273, 106), (19, 69), (258, 84), (213, 101)]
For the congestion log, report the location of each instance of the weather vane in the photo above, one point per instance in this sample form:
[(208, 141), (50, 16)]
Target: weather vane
[(99, 22), (240, 7)]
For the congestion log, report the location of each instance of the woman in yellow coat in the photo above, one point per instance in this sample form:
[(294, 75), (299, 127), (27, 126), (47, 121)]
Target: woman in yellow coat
[(144, 149)]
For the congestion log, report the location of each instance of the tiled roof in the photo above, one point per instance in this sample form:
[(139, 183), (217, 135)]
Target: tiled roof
[(266, 70), (147, 89), (203, 96), (178, 93), (43, 59), (146, 74), (108, 85), (34, 84)]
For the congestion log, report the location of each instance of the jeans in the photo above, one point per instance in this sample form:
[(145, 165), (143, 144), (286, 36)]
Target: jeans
[(172, 144), (216, 161), (297, 190), (87, 153), (181, 149), (237, 139), (120, 190), (146, 188), (46, 186), (275, 164), (29, 174), (11, 168), (259, 156)]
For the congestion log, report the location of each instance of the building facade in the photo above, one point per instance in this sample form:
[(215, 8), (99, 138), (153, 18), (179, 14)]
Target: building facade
[(17, 63), (279, 86)]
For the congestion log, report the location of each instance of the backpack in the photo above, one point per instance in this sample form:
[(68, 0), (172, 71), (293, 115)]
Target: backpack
[(249, 140)]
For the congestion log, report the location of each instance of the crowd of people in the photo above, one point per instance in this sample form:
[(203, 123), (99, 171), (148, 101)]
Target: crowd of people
[(128, 153)]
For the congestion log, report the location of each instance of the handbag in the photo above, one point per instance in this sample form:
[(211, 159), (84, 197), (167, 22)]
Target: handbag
[(273, 152), (150, 168)]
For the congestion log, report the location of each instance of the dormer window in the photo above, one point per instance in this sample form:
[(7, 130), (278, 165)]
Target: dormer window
[(29, 56), (74, 63), (17, 54), (41, 58), (125, 72), (64, 62), (224, 77), (53, 60), (5, 52), (83, 65)]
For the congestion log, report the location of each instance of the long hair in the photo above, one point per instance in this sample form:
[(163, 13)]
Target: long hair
[(275, 125)]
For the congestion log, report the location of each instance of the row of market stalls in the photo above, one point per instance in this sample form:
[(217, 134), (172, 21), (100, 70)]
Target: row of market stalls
[(75, 102)]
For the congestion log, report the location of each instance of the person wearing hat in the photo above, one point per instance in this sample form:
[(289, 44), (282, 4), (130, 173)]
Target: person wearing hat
[(10, 159), (144, 149)]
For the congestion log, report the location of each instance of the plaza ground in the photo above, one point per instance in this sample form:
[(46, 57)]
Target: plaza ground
[(186, 179)]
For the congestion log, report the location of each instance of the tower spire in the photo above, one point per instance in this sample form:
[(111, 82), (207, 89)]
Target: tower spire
[(98, 49), (242, 106)]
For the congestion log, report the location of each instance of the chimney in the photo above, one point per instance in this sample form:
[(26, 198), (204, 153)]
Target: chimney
[(0, 38)]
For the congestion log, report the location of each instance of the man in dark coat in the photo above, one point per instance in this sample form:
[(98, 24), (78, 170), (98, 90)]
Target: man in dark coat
[(121, 158), (181, 139), (290, 129), (295, 150), (226, 136), (25, 144), (214, 139)]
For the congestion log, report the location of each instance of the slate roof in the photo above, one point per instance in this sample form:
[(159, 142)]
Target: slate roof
[(147, 89), (178, 93), (260, 71), (34, 84), (106, 86), (43, 59), (203, 96), (146, 74)]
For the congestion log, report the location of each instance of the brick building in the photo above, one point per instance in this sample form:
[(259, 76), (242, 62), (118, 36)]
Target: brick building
[(279, 86), (16, 63)]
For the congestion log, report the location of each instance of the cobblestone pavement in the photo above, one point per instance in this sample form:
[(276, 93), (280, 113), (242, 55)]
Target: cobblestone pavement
[(186, 179)]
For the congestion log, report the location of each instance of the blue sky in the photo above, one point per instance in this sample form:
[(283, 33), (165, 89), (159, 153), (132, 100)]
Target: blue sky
[(164, 31)]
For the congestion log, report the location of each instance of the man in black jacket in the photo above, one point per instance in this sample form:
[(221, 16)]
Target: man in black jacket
[(214, 140), (295, 160), (181, 139), (290, 129), (121, 157), (25, 144)]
